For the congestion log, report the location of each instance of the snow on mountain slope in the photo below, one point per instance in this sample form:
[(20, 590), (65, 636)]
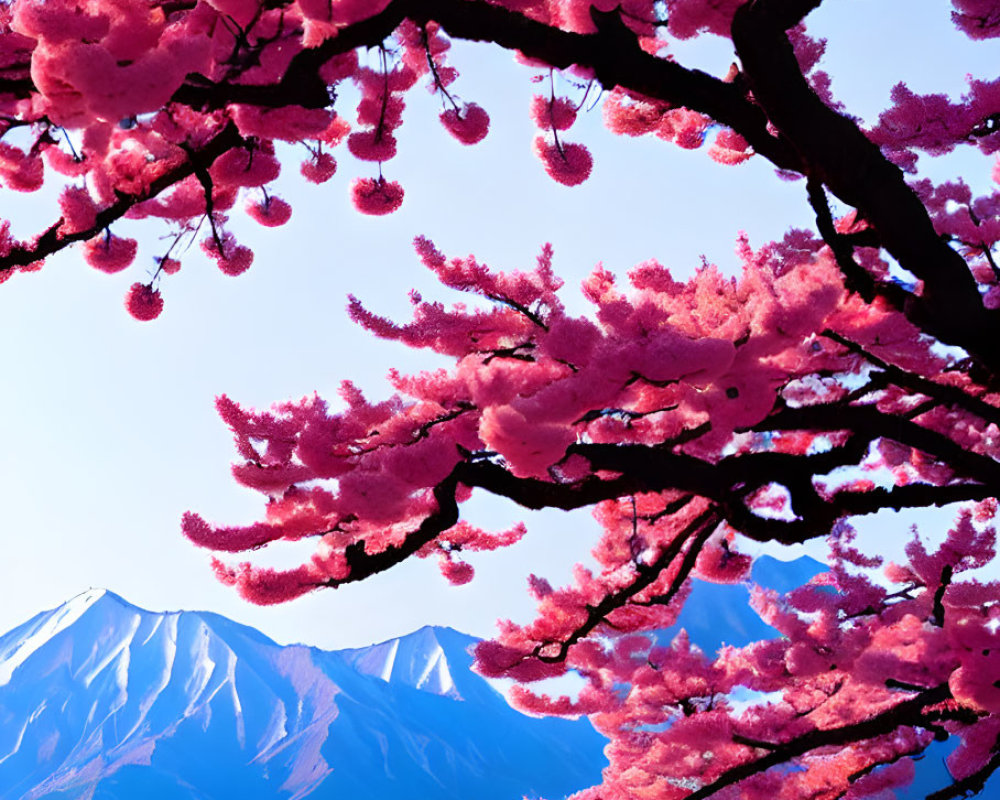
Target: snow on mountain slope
[(417, 660), (100, 699), (46, 626)]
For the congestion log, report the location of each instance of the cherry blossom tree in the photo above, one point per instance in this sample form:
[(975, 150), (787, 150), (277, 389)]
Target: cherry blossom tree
[(850, 369)]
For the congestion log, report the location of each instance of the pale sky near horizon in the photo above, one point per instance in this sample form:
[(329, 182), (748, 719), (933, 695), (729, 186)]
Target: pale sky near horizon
[(108, 432)]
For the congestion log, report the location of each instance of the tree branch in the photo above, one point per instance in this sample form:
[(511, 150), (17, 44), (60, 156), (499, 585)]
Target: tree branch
[(645, 469), (613, 53), (868, 422), (856, 277), (835, 152), (363, 564), (950, 395), (694, 535), (53, 240)]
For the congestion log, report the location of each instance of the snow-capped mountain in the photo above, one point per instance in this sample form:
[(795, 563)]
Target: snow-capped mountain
[(102, 700)]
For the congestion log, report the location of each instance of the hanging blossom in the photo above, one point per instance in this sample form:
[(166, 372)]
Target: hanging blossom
[(376, 196), (271, 212), (111, 105), (566, 163), (143, 302), (469, 124), (110, 253)]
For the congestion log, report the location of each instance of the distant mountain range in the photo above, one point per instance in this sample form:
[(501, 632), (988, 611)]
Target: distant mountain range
[(100, 700)]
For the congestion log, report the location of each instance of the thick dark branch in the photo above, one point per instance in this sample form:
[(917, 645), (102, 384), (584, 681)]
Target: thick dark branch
[(904, 713), (300, 86), (913, 495), (363, 564), (613, 53), (854, 777), (746, 741), (856, 277), (205, 179), (686, 566), (871, 424), (835, 152), (21, 86), (817, 514), (789, 13), (938, 613), (534, 493), (520, 308), (727, 483)]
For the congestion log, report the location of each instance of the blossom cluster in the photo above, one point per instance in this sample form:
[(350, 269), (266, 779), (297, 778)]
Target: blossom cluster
[(704, 368), (172, 112)]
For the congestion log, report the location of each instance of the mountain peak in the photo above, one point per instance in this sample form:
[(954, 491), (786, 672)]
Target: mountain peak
[(93, 597), (424, 659), (17, 646), (89, 597)]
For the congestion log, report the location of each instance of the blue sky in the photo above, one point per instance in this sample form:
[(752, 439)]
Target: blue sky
[(108, 432)]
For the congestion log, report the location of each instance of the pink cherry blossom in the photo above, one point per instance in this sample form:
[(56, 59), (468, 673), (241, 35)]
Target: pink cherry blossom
[(242, 167), (557, 113), (170, 266), (20, 171), (143, 302), (568, 164), (233, 259), (320, 168), (729, 148), (292, 123), (469, 125), (979, 19), (79, 210), (372, 145), (271, 212), (376, 196), (109, 253), (456, 572), (833, 373)]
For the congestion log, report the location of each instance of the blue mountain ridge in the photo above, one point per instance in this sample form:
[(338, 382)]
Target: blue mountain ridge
[(105, 701), (102, 700)]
